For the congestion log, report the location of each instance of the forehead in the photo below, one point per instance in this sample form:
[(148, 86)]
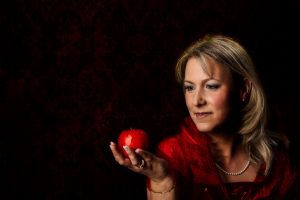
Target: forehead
[(206, 68)]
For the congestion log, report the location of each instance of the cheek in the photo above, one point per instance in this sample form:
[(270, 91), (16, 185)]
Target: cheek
[(221, 103), (188, 101)]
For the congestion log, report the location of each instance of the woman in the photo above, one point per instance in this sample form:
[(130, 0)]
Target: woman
[(224, 149)]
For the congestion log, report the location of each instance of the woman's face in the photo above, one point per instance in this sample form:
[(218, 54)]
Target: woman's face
[(207, 93)]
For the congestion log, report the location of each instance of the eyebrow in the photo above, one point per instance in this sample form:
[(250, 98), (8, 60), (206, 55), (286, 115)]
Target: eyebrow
[(187, 81), (203, 81)]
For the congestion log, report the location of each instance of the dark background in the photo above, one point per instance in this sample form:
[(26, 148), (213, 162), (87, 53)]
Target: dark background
[(73, 74)]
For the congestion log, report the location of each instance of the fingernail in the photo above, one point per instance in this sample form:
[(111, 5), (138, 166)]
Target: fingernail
[(126, 148), (138, 150)]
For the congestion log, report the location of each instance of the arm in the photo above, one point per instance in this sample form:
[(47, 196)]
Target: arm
[(164, 190)]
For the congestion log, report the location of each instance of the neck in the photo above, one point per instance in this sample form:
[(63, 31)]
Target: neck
[(226, 149)]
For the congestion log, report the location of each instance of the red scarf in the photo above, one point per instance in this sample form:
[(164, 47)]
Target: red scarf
[(197, 177)]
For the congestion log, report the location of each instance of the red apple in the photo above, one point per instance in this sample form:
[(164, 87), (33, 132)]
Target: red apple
[(134, 138)]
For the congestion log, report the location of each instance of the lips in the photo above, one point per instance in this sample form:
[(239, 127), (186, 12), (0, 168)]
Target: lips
[(200, 115)]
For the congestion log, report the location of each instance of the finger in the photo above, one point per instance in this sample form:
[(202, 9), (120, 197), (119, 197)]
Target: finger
[(141, 164), (134, 158), (146, 155), (154, 167), (118, 155)]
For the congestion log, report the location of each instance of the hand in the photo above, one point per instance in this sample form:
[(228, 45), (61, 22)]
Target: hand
[(142, 162)]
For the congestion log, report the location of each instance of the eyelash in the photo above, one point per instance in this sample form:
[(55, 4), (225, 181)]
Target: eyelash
[(208, 86), (212, 86), (188, 88)]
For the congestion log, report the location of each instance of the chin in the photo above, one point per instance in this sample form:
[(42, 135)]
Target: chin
[(204, 127)]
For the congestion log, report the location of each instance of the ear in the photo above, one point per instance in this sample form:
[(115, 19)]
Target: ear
[(245, 89)]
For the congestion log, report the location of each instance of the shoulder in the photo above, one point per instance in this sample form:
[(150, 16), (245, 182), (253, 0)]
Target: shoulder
[(283, 164), (285, 173), (283, 148)]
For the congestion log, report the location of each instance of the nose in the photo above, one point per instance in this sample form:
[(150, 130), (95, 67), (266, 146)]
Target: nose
[(199, 99)]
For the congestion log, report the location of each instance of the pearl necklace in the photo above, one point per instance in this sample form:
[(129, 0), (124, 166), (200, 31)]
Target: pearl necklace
[(234, 173)]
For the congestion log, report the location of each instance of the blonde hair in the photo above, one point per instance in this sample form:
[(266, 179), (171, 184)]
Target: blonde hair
[(229, 53)]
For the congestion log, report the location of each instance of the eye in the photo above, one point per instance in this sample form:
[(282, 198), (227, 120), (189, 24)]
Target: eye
[(212, 86), (188, 88)]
